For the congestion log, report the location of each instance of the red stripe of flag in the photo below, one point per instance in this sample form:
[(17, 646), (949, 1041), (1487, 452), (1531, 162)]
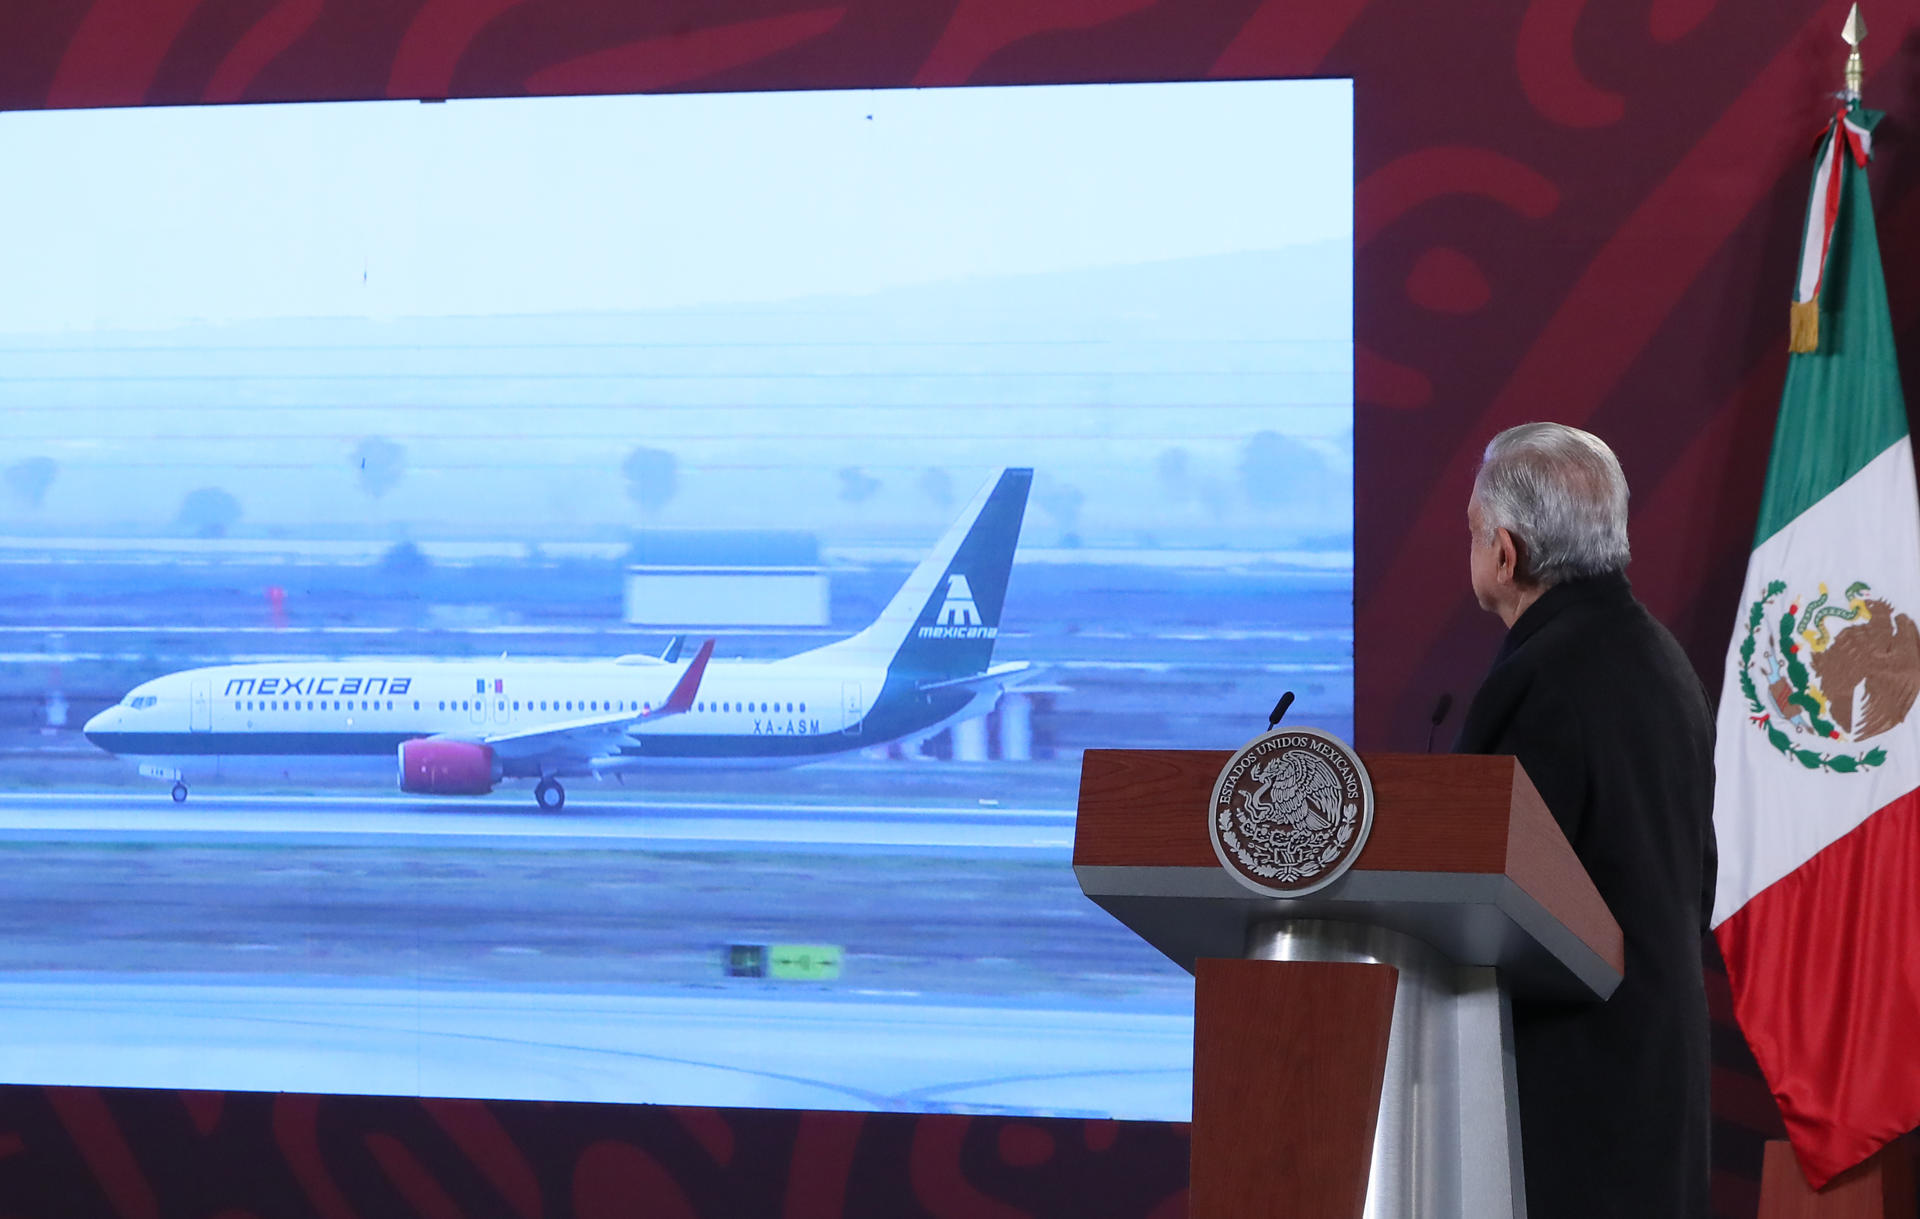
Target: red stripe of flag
[(1825, 970)]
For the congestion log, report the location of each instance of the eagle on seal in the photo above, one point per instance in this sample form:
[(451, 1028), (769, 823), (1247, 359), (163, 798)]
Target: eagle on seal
[(1295, 789), (1870, 673)]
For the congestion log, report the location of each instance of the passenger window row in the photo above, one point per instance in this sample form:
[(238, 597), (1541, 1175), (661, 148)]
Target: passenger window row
[(584, 704), (464, 704), (587, 704)]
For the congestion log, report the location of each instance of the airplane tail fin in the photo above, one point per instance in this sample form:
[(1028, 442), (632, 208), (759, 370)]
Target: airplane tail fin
[(943, 622)]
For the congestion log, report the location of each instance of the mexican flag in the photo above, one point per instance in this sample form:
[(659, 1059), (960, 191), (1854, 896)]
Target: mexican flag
[(1817, 805)]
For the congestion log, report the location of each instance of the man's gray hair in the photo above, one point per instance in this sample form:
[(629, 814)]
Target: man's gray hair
[(1560, 493)]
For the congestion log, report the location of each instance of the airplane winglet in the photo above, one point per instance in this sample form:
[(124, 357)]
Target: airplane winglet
[(689, 684)]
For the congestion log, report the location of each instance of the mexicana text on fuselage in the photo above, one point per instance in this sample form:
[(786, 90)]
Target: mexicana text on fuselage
[(313, 686)]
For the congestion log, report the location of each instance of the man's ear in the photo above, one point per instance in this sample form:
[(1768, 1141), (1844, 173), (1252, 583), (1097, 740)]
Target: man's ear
[(1507, 555)]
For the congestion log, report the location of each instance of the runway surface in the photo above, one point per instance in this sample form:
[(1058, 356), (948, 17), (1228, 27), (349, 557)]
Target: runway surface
[(590, 819), (389, 944), (859, 1053)]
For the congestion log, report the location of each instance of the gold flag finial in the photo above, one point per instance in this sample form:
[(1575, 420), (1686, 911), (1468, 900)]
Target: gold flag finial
[(1855, 32)]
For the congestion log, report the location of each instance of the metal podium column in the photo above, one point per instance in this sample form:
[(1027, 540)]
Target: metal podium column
[(1446, 1144)]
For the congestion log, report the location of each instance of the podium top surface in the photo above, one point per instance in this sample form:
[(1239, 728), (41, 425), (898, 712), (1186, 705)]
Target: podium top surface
[(1463, 855)]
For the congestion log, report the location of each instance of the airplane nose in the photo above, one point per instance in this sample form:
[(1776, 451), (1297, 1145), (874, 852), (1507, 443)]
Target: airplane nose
[(100, 724)]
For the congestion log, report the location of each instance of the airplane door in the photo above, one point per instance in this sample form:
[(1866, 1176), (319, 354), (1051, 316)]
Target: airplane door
[(852, 708), (200, 704)]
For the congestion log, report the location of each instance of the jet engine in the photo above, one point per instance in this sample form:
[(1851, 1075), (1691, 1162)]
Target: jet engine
[(446, 768)]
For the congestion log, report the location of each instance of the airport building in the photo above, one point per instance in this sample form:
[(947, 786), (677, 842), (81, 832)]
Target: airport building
[(726, 578)]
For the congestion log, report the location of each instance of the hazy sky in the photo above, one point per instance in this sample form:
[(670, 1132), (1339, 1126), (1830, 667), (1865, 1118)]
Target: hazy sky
[(148, 218), (1118, 285)]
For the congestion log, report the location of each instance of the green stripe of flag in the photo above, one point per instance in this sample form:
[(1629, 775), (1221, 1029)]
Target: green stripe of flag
[(1841, 406)]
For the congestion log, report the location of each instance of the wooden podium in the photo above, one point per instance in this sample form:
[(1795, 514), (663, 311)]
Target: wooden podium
[(1353, 1048)]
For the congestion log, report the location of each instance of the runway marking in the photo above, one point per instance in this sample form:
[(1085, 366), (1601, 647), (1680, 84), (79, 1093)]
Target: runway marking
[(158, 796), (1093, 1061), (94, 817)]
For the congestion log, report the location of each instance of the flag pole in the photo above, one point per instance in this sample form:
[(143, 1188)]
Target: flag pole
[(1853, 33), (1803, 328)]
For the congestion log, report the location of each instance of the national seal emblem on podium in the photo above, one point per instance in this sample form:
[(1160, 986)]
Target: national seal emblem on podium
[(1291, 812)]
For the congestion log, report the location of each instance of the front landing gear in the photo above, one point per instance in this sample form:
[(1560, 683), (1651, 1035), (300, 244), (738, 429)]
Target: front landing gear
[(179, 792), (549, 795)]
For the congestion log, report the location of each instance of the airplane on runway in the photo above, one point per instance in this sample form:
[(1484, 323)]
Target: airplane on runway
[(460, 727)]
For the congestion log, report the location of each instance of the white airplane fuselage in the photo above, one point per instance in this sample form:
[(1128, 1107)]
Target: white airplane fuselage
[(457, 727), (351, 716)]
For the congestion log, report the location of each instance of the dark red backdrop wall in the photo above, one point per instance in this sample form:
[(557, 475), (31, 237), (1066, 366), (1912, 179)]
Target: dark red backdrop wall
[(1568, 210)]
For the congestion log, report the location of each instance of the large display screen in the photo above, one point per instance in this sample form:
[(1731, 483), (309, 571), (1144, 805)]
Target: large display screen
[(604, 598)]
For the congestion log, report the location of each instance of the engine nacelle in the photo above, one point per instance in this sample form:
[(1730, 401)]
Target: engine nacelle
[(447, 768)]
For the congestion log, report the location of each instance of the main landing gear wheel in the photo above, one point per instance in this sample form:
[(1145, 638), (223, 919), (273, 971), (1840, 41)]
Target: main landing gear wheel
[(549, 795), (179, 793)]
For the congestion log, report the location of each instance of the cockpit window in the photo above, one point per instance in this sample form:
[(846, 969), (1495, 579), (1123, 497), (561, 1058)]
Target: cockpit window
[(144, 700)]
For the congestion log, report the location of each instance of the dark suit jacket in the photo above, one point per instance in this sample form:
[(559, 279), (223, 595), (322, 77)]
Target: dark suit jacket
[(1600, 705)]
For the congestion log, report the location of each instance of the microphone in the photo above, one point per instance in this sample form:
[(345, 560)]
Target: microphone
[(1279, 709), (1440, 709)]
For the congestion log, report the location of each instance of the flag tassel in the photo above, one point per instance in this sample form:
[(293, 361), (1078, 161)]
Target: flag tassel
[(1803, 330)]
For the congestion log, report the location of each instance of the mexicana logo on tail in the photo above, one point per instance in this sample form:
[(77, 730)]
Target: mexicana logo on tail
[(942, 624), (959, 609), (959, 617)]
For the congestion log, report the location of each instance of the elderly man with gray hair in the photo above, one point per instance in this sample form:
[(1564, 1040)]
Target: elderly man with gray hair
[(1600, 705)]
